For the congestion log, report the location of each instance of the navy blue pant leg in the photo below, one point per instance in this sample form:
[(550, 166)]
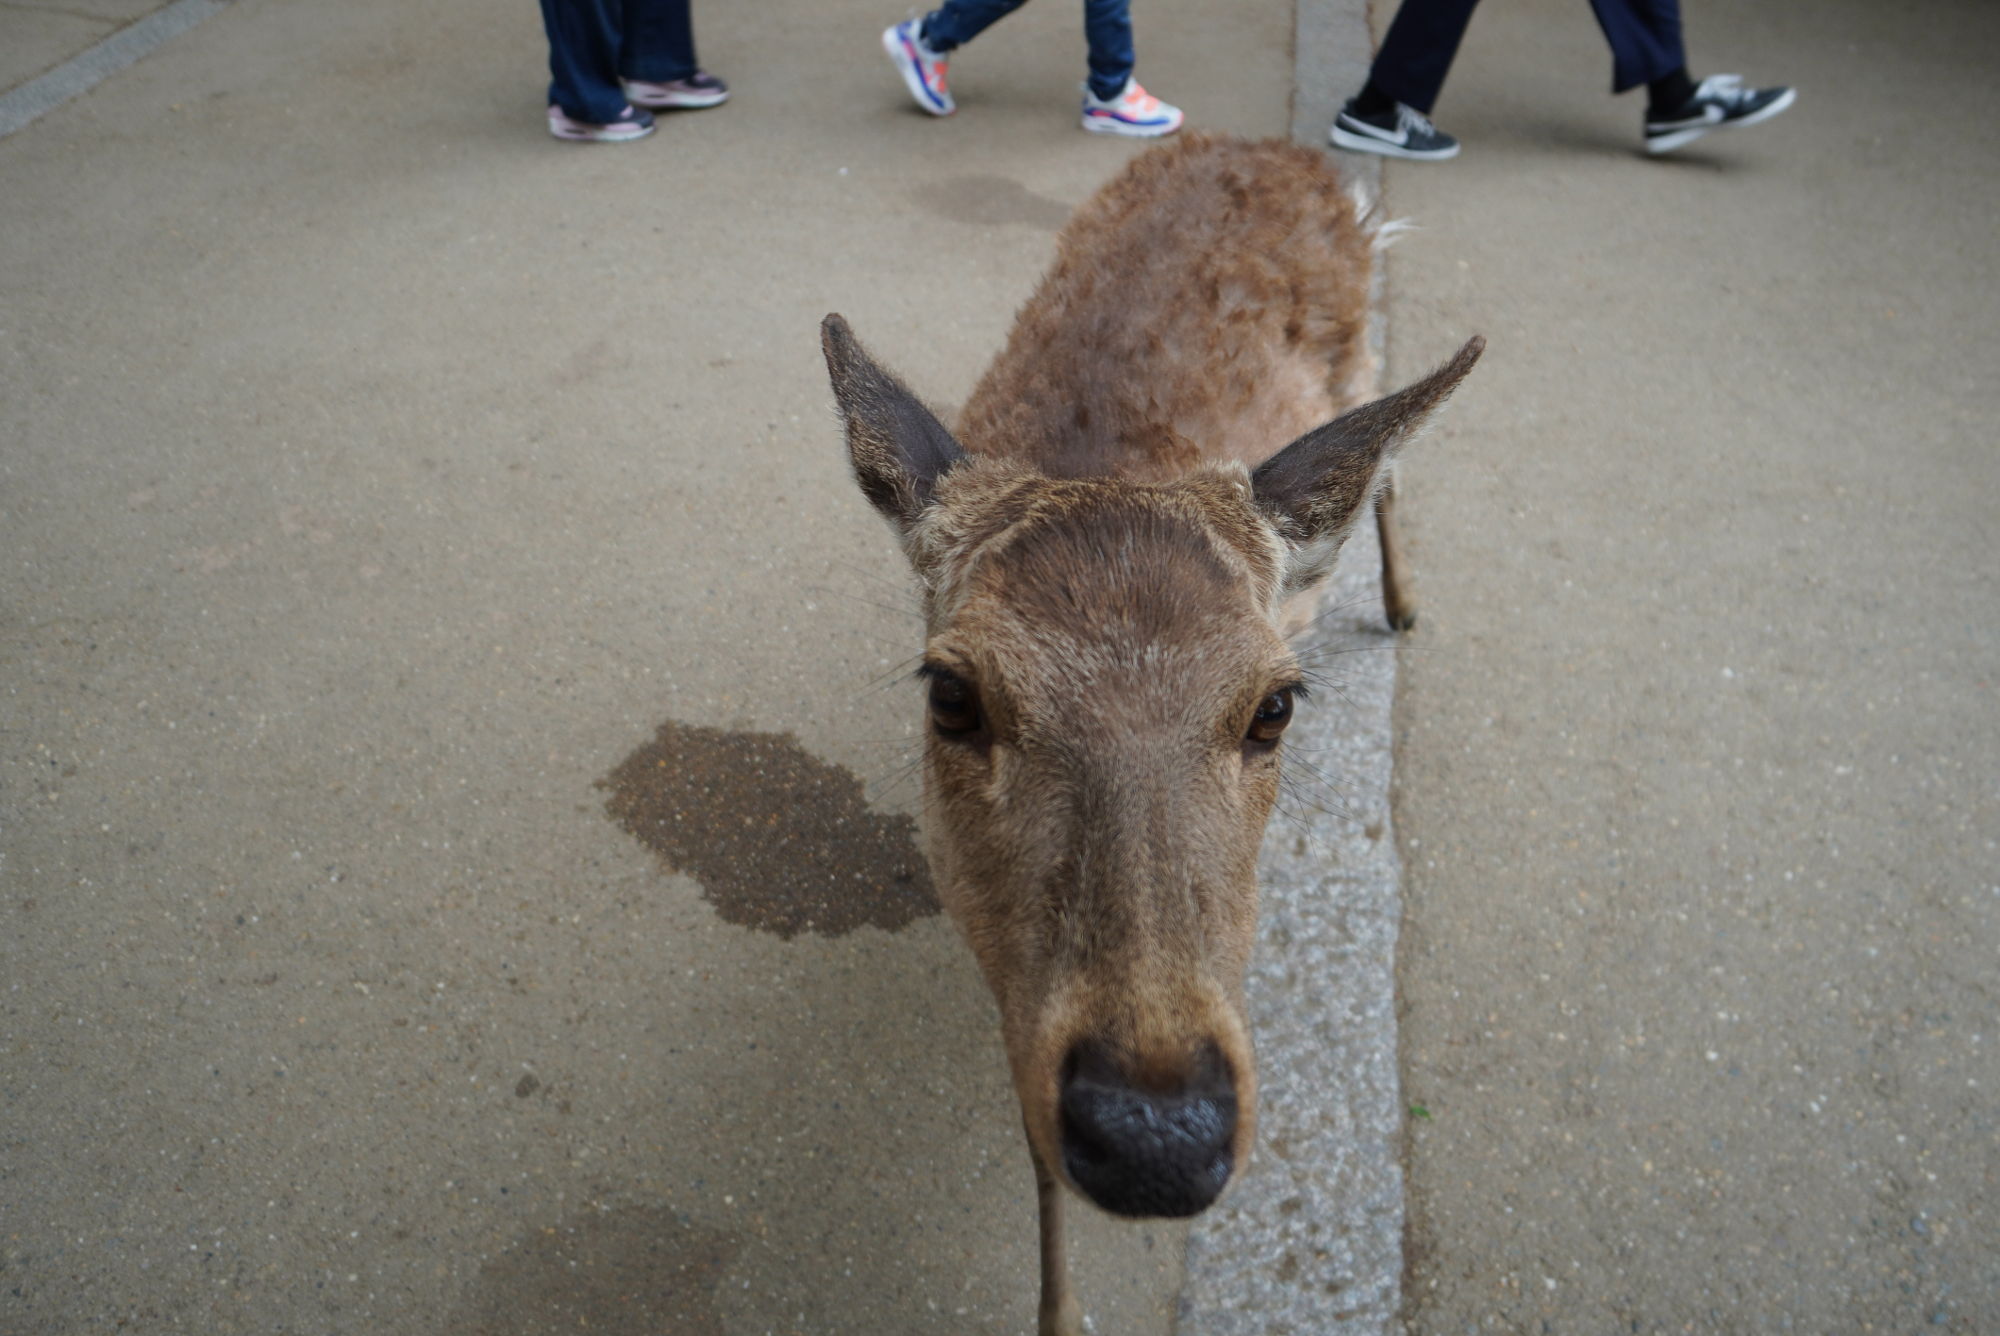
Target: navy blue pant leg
[(1423, 38), (962, 20), (659, 41), (1645, 37), (1107, 27), (1418, 49), (593, 42), (583, 57)]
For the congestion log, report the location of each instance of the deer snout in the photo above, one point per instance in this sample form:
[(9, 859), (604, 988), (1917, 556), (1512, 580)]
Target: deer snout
[(1137, 1150)]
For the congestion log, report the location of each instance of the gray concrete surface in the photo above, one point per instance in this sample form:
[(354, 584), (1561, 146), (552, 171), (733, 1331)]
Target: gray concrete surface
[(51, 52), (379, 477), (1698, 741)]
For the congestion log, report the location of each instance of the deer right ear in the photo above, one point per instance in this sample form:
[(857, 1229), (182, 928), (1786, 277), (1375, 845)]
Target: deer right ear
[(898, 447)]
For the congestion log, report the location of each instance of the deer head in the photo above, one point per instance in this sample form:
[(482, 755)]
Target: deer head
[(1107, 692)]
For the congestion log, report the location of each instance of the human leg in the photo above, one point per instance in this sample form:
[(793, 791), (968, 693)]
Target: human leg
[(1418, 49), (959, 21), (1391, 114), (1647, 48), (584, 41), (1107, 27), (1719, 102), (1645, 39), (1113, 101), (658, 62)]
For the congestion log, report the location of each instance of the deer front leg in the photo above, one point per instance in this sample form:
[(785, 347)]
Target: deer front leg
[(1058, 1314), (1397, 603)]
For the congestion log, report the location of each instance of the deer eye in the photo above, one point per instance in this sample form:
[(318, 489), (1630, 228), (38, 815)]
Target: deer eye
[(954, 705), (1273, 713)]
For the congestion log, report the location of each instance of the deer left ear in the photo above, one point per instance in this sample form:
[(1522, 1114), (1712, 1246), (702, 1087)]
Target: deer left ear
[(1315, 487), (898, 447)]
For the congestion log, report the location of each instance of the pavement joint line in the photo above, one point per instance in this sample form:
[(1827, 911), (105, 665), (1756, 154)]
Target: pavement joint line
[(22, 106), (1312, 1239)]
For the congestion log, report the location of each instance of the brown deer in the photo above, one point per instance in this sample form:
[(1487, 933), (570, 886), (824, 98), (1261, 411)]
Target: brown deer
[(1106, 548)]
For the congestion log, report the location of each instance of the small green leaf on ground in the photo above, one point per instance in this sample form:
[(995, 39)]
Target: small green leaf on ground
[(1419, 1111)]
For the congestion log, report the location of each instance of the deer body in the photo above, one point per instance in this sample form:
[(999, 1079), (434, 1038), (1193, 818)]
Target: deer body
[(1105, 549)]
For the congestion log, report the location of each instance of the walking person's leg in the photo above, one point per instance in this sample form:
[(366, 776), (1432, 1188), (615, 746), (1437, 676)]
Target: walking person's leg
[(585, 100), (959, 21), (1647, 48), (1418, 50), (1390, 115), (658, 62), (1107, 28), (1113, 101), (1645, 39), (918, 46)]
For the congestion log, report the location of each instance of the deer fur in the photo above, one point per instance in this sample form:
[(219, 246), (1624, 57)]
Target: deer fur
[(1173, 445)]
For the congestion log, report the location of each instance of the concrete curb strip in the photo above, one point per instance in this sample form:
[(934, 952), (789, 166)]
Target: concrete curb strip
[(80, 74)]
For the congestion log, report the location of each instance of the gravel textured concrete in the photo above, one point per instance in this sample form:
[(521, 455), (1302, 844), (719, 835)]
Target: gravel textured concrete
[(56, 53), (1698, 740), (380, 477)]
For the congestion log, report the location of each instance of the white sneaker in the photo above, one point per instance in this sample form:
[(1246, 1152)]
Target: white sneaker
[(922, 68), (1133, 112)]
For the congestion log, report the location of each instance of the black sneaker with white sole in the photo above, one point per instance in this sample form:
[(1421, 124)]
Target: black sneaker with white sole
[(1719, 101), (1397, 133)]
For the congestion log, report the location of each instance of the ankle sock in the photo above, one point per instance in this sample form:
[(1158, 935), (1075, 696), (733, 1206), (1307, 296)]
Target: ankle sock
[(1668, 94)]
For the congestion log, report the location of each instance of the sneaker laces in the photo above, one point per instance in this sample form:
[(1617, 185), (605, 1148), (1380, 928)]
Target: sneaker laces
[(1726, 89), (1414, 122)]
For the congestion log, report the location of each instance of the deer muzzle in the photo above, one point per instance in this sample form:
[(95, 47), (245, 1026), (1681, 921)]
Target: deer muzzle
[(1139, 1150)]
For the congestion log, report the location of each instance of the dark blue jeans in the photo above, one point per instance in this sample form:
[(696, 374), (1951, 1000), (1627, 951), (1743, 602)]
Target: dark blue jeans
[(1107, 27), (595, 43), (1416, 54)]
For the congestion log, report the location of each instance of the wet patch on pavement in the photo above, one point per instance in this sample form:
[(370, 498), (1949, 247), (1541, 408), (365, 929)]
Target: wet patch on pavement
[(780, 840), (633, 1271), (986, 200)]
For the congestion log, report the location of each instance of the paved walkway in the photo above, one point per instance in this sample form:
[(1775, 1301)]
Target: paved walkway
[(391, 489), (51, 52), (1698, 742)]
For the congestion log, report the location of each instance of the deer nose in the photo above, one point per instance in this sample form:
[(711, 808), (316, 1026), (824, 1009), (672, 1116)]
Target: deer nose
[(1145, 1152)]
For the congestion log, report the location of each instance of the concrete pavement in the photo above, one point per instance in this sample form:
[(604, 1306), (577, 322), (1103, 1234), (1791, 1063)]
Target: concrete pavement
[(1698, 740), (380, 475), (389, 489)]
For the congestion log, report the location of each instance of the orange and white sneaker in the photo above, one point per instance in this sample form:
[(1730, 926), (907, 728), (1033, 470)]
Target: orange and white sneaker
[(1133, 112)]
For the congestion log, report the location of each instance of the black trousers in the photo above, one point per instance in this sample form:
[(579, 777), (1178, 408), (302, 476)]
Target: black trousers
[(1645, 37)]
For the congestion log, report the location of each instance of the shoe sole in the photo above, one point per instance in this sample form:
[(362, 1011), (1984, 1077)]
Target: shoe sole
[(1669, 142), (1355, 143), (589, 137), (892, 43), (1108, 125), (681, 103)]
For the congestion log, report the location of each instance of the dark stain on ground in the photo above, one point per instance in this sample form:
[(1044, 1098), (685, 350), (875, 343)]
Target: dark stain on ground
[(636, 1271), (779, 839), (985, 200)]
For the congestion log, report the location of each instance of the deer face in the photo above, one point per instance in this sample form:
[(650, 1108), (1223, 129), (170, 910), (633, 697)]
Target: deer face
[(1107, 691), (1105, 697)]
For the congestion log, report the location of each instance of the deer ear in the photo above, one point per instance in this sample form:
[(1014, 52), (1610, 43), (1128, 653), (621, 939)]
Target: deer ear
[(1316, 486), (898, 447)]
